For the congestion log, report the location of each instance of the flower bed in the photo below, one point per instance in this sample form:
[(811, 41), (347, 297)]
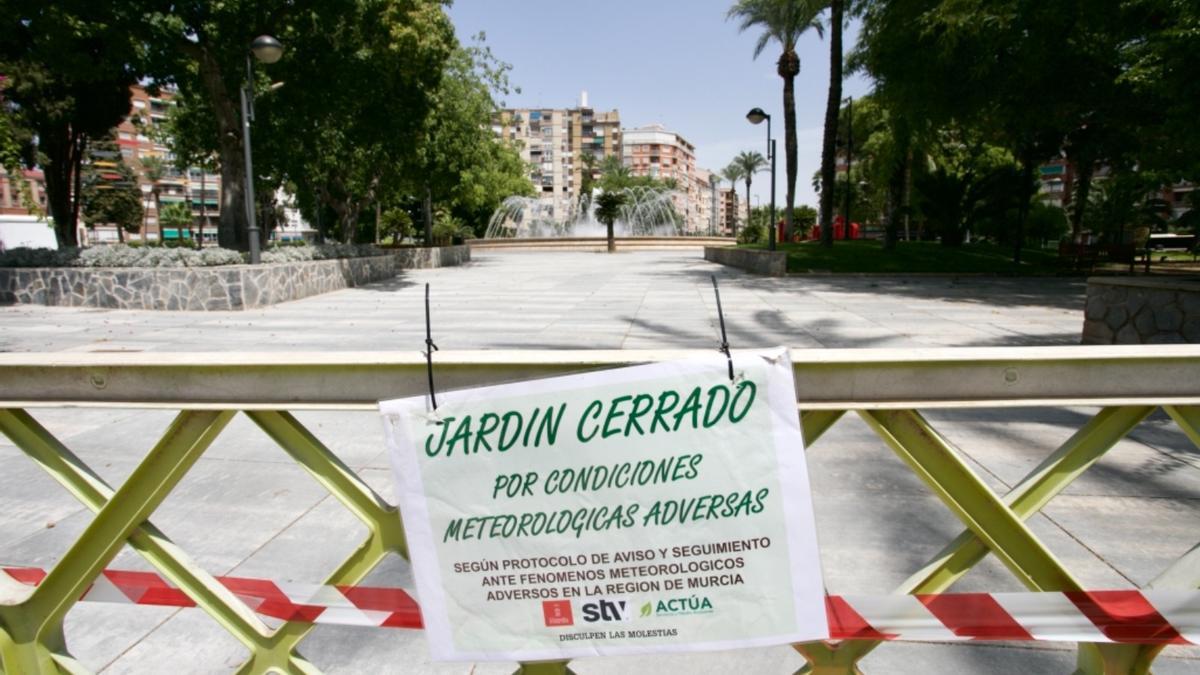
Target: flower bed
[(125, 277), (120, 255)]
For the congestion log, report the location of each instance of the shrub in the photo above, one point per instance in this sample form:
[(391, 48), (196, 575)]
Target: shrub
[(180, 255), (450, 230), (38, 257), (211, 257), (751, 234)]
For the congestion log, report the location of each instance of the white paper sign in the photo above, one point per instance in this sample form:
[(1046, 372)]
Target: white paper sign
[(645, 509)]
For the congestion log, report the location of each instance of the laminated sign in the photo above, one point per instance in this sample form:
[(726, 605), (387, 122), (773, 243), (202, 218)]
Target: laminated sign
[(655, 508)]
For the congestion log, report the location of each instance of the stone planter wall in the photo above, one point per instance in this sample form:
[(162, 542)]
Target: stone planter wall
[(230, 287), (770, 263), (438, 256), (1141, 311)]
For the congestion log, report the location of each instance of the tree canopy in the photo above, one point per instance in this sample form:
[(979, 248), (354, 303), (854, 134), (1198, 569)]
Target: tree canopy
[(68, 68), (987, 90)]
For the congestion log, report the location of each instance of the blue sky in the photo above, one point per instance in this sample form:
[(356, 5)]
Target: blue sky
[(678, 63)]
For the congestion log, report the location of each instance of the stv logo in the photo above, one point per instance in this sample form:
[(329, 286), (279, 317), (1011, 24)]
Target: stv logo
[(607, 610)]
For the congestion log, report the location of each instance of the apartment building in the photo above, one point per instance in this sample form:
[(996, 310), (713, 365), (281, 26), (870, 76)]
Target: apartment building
[(657, 152), (140, 137), (732, 215), (707, 202), (1056, 187), (555, 143)]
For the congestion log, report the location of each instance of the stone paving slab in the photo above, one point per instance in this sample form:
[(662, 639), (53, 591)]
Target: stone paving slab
[(248, 510)]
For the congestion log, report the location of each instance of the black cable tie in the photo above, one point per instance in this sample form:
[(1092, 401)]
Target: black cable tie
[(724, 348), (429, 349)]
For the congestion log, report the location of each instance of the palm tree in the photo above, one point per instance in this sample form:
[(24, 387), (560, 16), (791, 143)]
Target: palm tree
[(733, 173), (587, 180), (154, 169), (608, 209), (750, 163), (614, 175), (833, 106), (783, 21)]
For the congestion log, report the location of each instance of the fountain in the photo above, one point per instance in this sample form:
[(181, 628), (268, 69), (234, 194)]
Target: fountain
[(647, 212)]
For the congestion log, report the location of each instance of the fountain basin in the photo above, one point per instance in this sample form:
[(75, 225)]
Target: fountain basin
[(600, 243)]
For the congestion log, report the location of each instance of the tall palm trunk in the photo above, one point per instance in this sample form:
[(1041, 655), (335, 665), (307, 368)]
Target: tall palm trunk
[(897, 179), (788, 68), (1025, 196), (832, 107), (1083, 177), (427, 208), (203, 204), (154, 192)]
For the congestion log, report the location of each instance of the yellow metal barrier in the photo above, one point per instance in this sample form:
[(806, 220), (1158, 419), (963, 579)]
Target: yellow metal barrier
[(886, 388)]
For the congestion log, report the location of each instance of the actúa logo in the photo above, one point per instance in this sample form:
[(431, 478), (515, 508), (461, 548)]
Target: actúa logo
[(690, 605)]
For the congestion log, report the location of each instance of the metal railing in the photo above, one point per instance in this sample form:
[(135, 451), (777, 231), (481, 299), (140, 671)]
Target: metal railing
[(886, 388)]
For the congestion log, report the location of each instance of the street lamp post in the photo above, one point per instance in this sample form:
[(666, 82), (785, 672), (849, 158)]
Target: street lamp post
[(268, 50), (756, 116), (849, 160)]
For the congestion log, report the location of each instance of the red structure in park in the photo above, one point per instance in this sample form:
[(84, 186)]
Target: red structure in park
[(839, 230)]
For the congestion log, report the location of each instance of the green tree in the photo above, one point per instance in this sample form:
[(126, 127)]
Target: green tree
[(587, 180), (1018, 72), (396, 224), (109, 189), (500, 173), (459, 164), (1124, 202), (177, 216), (10, 156), (782, 21), (154, 169), (803, 219), (1161, 54), (608, 209), (614, 175), (359, 76), (748, 164), (68, 66)]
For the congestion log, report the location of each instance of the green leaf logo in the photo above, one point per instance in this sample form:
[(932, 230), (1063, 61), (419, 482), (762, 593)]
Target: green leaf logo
[(646, 609)]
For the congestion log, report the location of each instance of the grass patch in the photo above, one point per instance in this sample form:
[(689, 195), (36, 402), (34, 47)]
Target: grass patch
[(868, 257)]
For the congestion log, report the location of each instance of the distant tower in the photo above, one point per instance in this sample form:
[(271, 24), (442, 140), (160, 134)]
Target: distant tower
[(583, 99)]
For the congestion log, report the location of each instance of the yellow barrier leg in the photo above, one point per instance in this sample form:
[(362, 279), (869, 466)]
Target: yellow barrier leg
[(91, 490), (984, 513), (544, 668), (814, 423), (1188, 419), (386, 532), (1054, 474), (34, 626), (830, 658)]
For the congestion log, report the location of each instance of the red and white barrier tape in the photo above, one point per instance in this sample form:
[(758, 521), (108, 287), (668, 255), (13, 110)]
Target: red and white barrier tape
[(307, 603), (1140, 617)]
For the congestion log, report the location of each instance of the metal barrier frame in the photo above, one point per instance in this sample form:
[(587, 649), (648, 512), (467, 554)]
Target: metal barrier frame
[(885, 387)]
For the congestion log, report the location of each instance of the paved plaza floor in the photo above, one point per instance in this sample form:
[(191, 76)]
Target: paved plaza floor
[(579, 300), (247, 510)]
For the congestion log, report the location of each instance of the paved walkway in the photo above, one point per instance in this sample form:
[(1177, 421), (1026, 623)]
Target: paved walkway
[(247, 510), (637, 300)]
